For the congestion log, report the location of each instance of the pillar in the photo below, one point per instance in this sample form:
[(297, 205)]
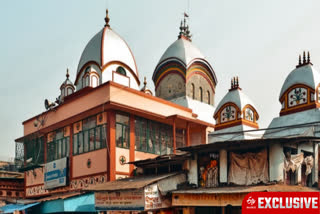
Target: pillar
[(223, 166), (174, 136), (132, 143), (204, 135), (111, 145), (276, 163), (71, 152), (188, 143)]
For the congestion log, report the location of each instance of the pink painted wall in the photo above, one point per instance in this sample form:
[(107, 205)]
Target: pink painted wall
[(109, 92), (98, 163), (125, 153), (72, 108), (35, 180)]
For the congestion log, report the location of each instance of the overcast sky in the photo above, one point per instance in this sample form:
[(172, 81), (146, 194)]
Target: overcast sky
[(259, 41)]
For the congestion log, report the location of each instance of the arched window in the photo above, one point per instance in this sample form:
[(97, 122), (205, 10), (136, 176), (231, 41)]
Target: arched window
[(87, 80), (208, 97), (62, 92), (121, 70), (193, 91), (201, 94), (94, 81), (69, 91)]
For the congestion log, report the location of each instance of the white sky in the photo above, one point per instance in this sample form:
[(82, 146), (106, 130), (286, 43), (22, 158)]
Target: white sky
[(259, 41)]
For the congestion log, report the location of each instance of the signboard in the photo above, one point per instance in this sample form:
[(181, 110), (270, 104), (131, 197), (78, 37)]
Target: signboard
[(154, 199), (55, 174), (121, 200)]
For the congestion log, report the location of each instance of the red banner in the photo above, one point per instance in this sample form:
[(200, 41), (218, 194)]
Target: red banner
[(281, 202)]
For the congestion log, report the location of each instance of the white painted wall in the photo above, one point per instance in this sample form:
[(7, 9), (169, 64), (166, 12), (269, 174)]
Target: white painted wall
[(107, 76), (276, 158), (223, 165), (193, 170)]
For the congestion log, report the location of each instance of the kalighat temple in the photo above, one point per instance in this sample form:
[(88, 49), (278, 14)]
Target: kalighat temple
[(108, 144)]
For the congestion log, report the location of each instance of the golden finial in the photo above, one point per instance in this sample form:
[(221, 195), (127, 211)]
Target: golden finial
[(107, 19)]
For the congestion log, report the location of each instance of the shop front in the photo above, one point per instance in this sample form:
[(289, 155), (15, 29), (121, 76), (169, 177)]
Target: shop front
[(150, 194)]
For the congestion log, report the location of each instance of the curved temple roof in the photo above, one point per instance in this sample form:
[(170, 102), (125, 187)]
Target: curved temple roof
[(105, 47)]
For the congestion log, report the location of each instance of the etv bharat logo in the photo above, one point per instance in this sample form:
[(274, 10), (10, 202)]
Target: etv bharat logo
[(251, 201)]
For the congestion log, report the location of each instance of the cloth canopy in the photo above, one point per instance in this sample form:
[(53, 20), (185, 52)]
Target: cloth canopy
[(248, 168)]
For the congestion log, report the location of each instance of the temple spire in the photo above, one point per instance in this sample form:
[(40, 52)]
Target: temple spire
[(67, 75), (107, 19), (184, 28), (305, 60), (234, 84)]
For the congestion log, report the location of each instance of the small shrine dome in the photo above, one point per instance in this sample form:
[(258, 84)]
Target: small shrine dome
[(301, 87), (66, 88), (304, 73), (236, 108)]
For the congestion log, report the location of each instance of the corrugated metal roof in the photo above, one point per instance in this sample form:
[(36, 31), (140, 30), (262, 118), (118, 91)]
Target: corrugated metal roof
[(60, 196), (247, 189), (162, 160), (233, 144), (130, 183)]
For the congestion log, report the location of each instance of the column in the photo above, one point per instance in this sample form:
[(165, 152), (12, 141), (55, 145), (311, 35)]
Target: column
[(223, 166), (111, 160), (204, 135), (132, 143), (174, 136), (71, 152), (188, 143)]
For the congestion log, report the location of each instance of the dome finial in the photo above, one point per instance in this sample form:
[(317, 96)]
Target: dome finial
[(299, 59), (145, 81), (107, 19), (305, 59), (67, 75), (145, 88), (184, 28), (234, 84)]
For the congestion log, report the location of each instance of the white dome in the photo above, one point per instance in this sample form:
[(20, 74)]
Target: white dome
[(183, 50), (237, 97), (106, 47), (306, 75)]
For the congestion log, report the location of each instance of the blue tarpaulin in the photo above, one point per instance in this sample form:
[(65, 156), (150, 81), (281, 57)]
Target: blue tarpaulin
[(10, 208), (80, 203)]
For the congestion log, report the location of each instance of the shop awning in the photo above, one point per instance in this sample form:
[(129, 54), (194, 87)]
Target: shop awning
[(10, 208), (137, 193), (133, 182), (69, 202)]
